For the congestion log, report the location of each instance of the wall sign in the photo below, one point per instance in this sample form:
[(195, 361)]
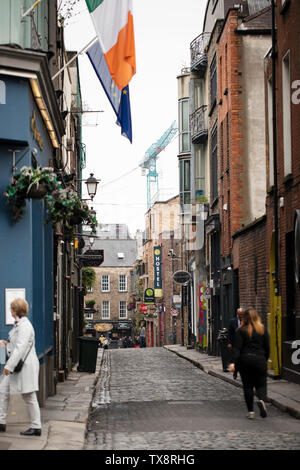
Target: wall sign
[(149, 298), (157, 272), (10, 295)]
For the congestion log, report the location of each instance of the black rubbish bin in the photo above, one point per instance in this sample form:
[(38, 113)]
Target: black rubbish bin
[(225, 352), (88, 351)]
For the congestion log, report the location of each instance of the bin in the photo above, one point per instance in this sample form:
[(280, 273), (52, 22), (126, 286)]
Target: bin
[(225, 352), (88, 351)]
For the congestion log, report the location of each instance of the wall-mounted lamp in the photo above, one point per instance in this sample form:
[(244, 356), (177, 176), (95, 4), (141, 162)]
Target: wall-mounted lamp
[(92, 185)]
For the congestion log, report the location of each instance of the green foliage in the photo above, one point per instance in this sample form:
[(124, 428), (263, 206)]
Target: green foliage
[(88, 277), (63, 204), (23, 182)]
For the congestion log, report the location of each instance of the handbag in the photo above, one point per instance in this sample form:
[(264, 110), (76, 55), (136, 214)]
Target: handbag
[(20, 364)]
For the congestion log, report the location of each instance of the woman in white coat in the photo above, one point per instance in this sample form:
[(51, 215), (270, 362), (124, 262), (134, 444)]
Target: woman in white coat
[(21, 346)]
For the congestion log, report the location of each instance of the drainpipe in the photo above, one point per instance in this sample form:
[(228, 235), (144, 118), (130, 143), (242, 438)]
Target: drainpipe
[(276, 234)]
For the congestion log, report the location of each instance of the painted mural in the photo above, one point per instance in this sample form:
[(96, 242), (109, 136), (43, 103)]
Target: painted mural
[(202, 316)]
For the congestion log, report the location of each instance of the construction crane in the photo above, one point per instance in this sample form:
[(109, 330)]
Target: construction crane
[(150, 158)]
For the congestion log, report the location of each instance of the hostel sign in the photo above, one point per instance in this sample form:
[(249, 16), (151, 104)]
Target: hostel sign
[(157, 272)]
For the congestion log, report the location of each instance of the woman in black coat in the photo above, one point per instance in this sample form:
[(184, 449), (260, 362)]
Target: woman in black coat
[(250, 354)]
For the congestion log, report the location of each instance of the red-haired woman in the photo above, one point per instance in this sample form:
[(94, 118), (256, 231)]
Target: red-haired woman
[(251, 352)]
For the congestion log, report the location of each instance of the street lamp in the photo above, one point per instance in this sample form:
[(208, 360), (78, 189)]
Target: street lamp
[(92, 184)]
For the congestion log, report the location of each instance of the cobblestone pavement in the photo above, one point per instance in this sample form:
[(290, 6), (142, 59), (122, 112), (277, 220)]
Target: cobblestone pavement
[(149, 399)]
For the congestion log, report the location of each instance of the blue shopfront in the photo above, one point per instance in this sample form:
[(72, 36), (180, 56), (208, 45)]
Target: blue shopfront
[(26, 138)]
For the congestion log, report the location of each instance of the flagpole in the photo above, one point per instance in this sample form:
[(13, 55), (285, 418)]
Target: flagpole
[(30, 9), (75, 56)]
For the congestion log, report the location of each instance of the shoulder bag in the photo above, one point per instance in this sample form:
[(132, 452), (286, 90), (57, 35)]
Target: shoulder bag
[(20, 364)]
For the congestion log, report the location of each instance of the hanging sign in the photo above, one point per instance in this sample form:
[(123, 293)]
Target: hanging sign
[(181, 277), (157, 272), (149, 298)]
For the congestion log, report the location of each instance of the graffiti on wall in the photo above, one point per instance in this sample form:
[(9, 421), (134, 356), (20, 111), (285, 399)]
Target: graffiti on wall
[(202, 316)]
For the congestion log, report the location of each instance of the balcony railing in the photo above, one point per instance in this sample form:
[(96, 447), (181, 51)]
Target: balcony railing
[(198, 49), (198, 125)]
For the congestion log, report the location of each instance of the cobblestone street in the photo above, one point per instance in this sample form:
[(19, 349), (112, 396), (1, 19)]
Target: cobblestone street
[(150, 399)]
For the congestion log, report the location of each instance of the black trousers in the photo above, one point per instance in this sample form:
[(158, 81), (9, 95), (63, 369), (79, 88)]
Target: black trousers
[(254, 376)]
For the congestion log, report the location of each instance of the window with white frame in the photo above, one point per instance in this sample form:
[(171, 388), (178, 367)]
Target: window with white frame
[(105, 283), (122, 283), (105, 309), (184, 136), (89, 316), (123, 309)]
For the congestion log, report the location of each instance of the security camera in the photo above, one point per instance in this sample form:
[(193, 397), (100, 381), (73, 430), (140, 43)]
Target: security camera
[(171, 252)]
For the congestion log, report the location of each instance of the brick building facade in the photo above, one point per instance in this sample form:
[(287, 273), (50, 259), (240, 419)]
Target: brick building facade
[(287, 146), (243, 43), (115, 281)]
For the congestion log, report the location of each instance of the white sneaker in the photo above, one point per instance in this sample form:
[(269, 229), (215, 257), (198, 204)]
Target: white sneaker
[(251, 415), (262, 408)]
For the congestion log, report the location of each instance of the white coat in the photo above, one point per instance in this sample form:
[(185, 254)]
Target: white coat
[(21, 337)]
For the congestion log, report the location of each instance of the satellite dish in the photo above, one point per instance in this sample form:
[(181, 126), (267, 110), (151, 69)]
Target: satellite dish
[(181, 277)]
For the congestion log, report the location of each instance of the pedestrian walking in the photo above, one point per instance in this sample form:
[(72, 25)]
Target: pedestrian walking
[(21, 347), (250, 352), (234, 324), (101, 340), (143, 335), (105, 343)]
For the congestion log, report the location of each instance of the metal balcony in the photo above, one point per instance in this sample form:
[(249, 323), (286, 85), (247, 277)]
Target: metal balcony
[(198, 125), (198, 49)]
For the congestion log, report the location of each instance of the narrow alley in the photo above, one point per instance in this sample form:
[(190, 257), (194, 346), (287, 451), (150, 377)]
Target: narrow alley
[(152, 399)]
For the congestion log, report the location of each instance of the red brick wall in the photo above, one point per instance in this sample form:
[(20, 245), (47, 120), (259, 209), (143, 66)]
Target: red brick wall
[(169, 289), (253, 276), (230, 132)]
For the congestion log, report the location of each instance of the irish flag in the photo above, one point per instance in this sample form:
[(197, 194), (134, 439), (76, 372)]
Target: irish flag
[(113, 21)]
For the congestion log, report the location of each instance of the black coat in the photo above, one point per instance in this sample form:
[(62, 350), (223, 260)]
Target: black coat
[(250, 351), (233, 325)]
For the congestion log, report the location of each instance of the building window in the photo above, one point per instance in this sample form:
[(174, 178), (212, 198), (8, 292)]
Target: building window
[(214, 162), (89, 316), (184, 136), (286, 115), (213, 81), (2, 92), (270, 132), (199, 170), (105, 309), (105, 284), (122, 283), (123, 309), (185, 181), (198, 93)]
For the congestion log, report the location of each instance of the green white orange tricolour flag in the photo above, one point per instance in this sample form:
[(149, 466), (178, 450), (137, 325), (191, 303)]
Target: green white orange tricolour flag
[(113, 21)]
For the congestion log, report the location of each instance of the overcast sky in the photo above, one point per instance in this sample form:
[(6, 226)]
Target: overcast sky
[(163, 32)]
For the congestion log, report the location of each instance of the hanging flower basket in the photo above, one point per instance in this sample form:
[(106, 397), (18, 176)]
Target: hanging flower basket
[(78, 216), (30, 183), (37, 191)]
